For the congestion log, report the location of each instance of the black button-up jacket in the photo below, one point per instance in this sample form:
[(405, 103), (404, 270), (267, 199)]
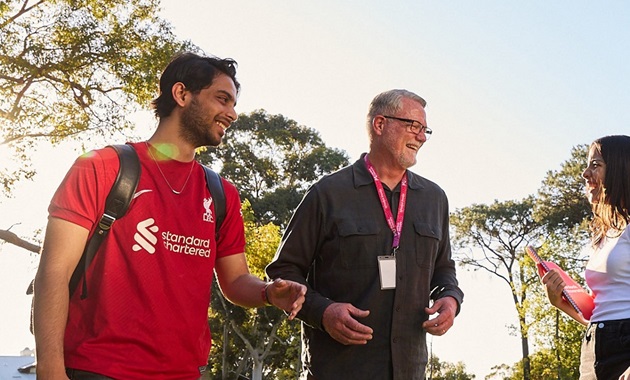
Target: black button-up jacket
[(332, 243)]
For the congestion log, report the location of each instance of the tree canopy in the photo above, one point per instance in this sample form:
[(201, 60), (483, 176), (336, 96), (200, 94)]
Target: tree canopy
[(561, 203), (76, 68), (439, 370), (261, 343), (272, 160), (493, 238)]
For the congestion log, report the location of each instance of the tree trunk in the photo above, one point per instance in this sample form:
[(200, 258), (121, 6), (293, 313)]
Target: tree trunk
[(526, 364), (257, 369), (525, 349), (224, 371), (556, 344)]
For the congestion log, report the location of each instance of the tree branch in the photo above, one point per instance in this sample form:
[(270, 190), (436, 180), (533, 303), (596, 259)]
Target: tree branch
[(25, 9), (12, 238)]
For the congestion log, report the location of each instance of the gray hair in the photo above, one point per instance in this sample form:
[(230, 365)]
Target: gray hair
[(389, 103)]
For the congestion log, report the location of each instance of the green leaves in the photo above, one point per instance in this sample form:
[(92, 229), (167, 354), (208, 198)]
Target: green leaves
[(439, 370), (73, 69), (272, 160), (561, 203), (493, 238)]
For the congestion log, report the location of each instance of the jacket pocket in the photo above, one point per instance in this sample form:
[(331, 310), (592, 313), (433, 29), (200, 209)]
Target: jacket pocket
[(358, 243), (426, 243)]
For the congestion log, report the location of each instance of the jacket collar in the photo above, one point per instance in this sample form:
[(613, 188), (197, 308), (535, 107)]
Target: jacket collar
[(362, 177)]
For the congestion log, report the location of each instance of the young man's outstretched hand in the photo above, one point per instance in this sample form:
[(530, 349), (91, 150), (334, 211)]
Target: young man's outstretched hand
[(286, 295)]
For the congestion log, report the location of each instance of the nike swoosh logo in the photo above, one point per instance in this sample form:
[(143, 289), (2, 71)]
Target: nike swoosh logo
[(139, 193)]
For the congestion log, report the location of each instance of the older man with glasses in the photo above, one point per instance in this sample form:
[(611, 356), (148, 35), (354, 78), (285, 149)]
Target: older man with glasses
[(371, 243)]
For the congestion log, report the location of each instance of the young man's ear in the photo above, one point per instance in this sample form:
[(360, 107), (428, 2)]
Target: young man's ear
[(179, 93)]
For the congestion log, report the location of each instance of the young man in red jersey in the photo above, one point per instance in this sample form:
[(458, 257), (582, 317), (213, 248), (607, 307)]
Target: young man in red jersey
[(149, 286)]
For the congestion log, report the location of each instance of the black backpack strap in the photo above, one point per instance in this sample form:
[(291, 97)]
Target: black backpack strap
[(218, 195), (116, 205)]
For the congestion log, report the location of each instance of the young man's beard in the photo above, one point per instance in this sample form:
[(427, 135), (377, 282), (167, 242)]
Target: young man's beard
[(196, 129)]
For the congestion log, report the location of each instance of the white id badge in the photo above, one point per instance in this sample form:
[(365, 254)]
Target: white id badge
[(387, 271)]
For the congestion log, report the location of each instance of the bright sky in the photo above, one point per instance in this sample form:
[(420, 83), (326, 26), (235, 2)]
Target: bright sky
[(511, 88)]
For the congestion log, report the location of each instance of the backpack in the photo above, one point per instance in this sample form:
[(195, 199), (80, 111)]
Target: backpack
[(117, 203)]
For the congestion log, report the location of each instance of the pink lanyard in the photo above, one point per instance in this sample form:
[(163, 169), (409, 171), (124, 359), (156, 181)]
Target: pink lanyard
[(395, 226)]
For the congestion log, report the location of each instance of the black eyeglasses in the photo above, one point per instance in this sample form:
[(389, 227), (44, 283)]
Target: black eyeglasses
[(413, 126)]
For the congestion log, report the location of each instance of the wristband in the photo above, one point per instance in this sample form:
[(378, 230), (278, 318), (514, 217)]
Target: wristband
[(263, 294)]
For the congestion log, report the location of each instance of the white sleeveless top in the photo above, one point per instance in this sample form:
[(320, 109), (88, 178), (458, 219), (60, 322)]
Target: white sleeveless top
[(608, 276)]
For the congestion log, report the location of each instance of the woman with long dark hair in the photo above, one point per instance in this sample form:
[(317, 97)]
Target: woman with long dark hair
[(605, 352)]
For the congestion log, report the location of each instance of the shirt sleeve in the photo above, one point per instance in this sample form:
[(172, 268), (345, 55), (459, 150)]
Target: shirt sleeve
[(444, 282), (80, 198), (295, 255)]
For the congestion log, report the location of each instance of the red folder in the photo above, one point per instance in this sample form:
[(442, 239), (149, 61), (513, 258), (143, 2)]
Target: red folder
[(573, 292)]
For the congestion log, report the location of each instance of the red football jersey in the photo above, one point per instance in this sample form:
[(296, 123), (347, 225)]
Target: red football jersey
[(149, 285)]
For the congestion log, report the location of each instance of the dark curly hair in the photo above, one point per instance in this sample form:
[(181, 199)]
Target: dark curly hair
[(196, 72)]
